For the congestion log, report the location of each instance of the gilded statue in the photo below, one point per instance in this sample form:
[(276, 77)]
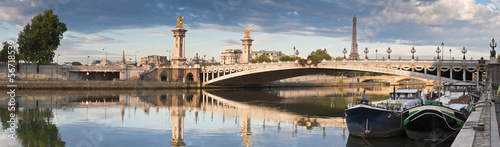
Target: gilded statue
[(247, 33), (179, 22)]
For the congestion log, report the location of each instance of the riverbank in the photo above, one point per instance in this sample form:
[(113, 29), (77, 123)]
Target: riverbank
[(145, 85), (89, 85)]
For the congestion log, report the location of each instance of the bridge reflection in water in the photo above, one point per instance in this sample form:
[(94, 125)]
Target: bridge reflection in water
[(315, 112)]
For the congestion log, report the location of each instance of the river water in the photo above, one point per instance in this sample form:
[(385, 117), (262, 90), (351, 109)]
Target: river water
[(209, 117)]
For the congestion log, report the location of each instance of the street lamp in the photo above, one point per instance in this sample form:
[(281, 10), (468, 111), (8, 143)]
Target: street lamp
[(88, 67), (464, 51), (106, 61), (57, 70), (297, 53), (439, 72), (293, 50), (136, 57), (376, 54), (366, 53), (442, 53), (450, 53), (344, 51), (389, 51), (438, 51), (413, 52)]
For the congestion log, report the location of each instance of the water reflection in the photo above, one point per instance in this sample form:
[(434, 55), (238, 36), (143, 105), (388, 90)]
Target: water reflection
[(231, 117)]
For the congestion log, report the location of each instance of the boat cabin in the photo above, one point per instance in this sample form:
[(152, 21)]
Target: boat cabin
[(406, 94), (460, 87)]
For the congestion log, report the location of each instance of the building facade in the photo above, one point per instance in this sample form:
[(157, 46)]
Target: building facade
[(273, 55), (154, 59), (231, 56)]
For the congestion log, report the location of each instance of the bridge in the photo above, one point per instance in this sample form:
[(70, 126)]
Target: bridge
[(260, 73)]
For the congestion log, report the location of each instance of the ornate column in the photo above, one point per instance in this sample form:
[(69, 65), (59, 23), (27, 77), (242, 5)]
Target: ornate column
[(451, 72), (179, 56), (247, 47), (464, 69)]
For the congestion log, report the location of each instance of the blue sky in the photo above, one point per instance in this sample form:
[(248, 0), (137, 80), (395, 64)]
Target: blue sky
[(214, 26)]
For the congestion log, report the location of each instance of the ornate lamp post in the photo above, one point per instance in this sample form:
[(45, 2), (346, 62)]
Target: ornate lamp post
[(88, 67), (442, 53), (450, 53), (344, 51), (293, 50), (413, 52), (57, 70), (438, 51), (105, 61), (389, 51), (366, 53), (297, 53), (464, 51), (376, 54)]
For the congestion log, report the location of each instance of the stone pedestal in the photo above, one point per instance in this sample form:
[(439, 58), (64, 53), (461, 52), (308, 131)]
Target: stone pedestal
[(179, 56), (493, 60), (246, 51)]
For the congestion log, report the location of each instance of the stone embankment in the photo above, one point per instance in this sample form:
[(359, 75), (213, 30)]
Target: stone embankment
[(484, 113), (85, 85)]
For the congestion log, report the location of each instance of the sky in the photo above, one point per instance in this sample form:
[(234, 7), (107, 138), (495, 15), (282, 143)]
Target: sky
[(143, 27)]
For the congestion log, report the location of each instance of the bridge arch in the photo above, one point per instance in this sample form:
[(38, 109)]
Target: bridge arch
[(261, 73)]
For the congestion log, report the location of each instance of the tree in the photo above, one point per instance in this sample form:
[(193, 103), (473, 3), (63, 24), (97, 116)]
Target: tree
[(498, 57), (339, 58), (288, 58), (261, 58), (38, 40), (76, 63), (4, 55), (320, 54)]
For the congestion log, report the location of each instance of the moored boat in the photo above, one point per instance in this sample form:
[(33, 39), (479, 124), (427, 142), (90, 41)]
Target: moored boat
[(381, 118), (441, 119)]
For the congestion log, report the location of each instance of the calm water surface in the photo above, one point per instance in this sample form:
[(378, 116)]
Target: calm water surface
[(230, 117)]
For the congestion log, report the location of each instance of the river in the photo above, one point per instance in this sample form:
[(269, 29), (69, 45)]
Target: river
[(209, 117)]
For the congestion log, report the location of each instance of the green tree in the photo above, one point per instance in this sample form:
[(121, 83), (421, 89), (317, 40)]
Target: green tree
[(4, 55), (339, 58), (320, 54), (76, 63), (38, 40), (498, 57), (261, 58), (165, 64), (288, 58)]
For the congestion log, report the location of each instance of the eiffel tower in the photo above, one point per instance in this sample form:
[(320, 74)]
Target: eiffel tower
[(354, 44)]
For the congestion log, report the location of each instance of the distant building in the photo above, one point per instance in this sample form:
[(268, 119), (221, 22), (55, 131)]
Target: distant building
[(101, 63), (154, 59), (231, 56), (273, 55)]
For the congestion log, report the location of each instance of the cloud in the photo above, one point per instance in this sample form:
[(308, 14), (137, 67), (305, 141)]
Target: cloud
[(229, 42), (102, 39), (407, 22)]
